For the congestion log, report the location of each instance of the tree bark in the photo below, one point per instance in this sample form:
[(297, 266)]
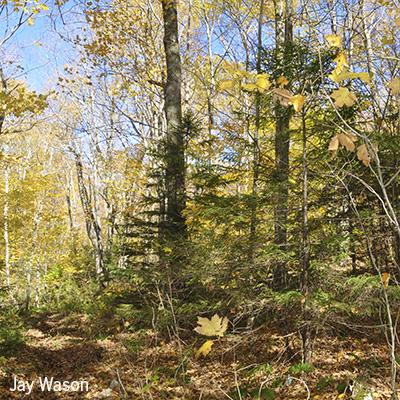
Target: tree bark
[(5, 225), (175, 152), (92, 226), (284, 39), (306, 330)]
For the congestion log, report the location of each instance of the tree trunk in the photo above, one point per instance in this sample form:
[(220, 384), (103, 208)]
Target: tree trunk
[(92, 227), (256, 144), (5, 225), (175, 152), (284, 39), (306, 330)]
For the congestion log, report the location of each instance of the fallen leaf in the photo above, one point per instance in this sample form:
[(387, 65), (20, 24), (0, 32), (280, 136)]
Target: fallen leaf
[(204, 349), (216, 326)]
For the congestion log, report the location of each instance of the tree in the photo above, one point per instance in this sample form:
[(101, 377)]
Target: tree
[(283, 49), (174, 148)]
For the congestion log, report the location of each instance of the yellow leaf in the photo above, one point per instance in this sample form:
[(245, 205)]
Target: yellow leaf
[(339, 77), (205, 349), (385, 276), (297, 101), (226, 85), (364, 76), (263, 82), (282, 81), (31, 21), (334, 144), (346, 141), (334, 40), (341, 62), (249, 87), (343, 97), (216, 326), (394, 85), (335, 76), (241, 73), (363, 155)]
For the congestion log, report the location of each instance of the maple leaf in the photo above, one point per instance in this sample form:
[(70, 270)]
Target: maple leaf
[(334, 40), (204, 349), (343, 97), (363, 155), (297, 101), (216, 326), (394, 85)]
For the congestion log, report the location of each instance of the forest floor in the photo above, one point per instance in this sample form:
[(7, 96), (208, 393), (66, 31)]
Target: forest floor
[(143, 366)]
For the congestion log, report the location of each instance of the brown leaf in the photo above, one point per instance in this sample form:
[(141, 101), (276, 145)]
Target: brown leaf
[(334, 144), (283, 96), (363, 155), (346, 141)]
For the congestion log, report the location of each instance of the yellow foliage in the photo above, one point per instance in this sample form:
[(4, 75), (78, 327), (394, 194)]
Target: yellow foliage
[(343, 97), (339, 77), (263, 82), (249, 87), (226, 85), (341, 62), (334, 40), (297, 101)]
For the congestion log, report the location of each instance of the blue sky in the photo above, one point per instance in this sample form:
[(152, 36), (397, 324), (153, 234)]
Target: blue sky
[(40, 50)]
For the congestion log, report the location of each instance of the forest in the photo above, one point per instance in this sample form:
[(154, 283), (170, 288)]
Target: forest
[(200, 199)]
